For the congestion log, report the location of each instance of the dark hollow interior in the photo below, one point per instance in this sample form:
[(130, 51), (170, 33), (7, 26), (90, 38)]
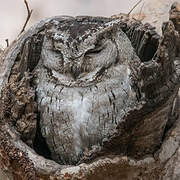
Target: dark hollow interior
[(144, 39), (40, 145)]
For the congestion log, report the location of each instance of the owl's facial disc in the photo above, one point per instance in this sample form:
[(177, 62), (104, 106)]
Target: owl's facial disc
[(86, 68)]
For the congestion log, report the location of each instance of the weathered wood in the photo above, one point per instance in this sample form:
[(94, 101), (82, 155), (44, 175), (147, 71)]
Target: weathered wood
[(93, 90)]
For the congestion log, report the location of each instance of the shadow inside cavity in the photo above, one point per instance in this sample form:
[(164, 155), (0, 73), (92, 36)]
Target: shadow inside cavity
[(40, 145), (144, 39)]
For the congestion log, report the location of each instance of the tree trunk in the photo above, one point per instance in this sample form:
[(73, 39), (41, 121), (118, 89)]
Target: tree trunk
[(139, 138)]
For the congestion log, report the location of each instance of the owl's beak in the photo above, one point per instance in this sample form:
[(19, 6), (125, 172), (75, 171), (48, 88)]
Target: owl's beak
[(75, 66), (75, 70)]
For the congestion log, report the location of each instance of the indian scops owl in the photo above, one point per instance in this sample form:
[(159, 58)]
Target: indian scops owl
[(83, 84)]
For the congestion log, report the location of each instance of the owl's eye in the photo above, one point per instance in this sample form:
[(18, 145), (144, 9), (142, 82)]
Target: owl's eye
[(96, 50)]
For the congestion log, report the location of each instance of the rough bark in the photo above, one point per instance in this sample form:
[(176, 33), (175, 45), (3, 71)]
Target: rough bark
[(132, 80)]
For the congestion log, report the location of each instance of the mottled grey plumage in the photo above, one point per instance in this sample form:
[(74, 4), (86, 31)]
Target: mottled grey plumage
[(83, 84)]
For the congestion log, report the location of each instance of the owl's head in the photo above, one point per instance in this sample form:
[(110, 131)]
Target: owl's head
[(79, 51)]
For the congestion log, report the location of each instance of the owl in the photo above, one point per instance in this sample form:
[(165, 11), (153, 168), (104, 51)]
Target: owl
[(82, 84)]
